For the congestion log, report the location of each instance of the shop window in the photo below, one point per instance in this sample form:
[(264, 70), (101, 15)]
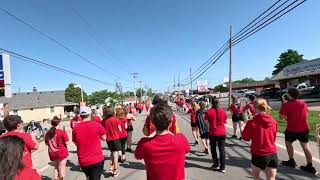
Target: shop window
[(52, 109)]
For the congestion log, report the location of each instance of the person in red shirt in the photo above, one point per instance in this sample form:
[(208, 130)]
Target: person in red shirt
[(11, 160), (86, 136), (57, 139), (193, 117), (237, 118), (250, 107), (217, 118), (163, 154), (13, 124), (121, 115), (262, 132), (94, 116), (76, 120), (113, 129), (295, 112)]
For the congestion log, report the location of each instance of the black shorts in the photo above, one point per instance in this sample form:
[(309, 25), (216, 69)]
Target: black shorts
[(94, 171), (193, 125), (114, 145), (237, 118), (130, 128), (293, 136), (204, 136), (263, 162)]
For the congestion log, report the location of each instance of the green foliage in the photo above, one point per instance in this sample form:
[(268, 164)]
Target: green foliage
[(246, 80), (150, 93), (287, 58), (99, 97), (220, 88), (73, 94), (140, 92), (128, 93)]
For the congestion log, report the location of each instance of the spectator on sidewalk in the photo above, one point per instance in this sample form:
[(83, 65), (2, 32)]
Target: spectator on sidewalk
[(11, 160), (193, 119), (163, 154), (13, 125), (295, 112), (113, 129), (262, 132), (86, 136), (217, 118), (57, 139)]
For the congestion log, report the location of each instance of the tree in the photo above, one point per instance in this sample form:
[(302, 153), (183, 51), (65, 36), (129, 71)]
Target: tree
[(140, 92), (73, 94), (128, 93), (246, 80), (220, 88), (99, 97), (287, 58), (150, 93)]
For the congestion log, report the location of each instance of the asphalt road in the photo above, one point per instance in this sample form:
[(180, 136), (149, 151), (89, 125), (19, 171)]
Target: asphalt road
[(196, 166)]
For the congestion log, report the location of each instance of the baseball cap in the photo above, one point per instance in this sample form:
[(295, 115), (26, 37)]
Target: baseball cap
[(85, 110)]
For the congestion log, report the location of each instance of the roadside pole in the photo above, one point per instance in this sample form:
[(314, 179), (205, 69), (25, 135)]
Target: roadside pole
[(191, 92), (134, 86), (230, 68)]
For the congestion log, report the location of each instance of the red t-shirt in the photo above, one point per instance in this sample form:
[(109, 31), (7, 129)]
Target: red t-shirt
[(29, 145), (96, 118), (151, 128), (86, 136), (217, 123), (262, 131), (236, 109), (193, 116), (250, 107), (123, 132), (296, 112), (27, 173), (112, 128), (57, 146), (164, 156), (75, 121)]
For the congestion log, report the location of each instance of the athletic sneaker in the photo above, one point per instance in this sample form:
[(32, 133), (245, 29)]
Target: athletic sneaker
[(111, 170), (215, 168), (223, 171), (116, 173), (240, 138), (234, 137), (289, 163), (309, 168), (206, 151), (196, 142), (123, 160), (129, 150)]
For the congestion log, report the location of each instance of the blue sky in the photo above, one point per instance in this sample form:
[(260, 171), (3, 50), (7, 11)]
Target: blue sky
[(157, 39)]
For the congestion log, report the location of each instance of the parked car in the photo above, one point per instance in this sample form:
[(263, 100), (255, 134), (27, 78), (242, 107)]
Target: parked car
[(303, 89), (245, 93), (315, 91), (269, 93)]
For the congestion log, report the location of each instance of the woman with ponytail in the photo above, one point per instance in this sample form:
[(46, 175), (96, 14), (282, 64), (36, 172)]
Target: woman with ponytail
[(262, 132), (57, 140), (217, 118)]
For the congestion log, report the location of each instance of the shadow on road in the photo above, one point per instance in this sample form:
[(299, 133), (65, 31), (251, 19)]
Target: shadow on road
[(133, 165), (45, 178), (73, 167)]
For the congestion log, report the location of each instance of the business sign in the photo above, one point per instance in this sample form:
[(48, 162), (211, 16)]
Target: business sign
[(5, 75), (301, 67), (202, 86)]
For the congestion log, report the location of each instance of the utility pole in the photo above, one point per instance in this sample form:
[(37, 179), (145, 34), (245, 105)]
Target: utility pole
[(140, 89), (191, 92), (145, 90), (174, 83), (179, 85), (135, 75), (230, 68)]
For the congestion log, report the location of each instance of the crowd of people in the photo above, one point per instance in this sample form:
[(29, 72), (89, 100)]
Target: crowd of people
[(163, 146)]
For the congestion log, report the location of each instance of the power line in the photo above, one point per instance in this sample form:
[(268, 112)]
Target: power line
[(57, 42), (258, 28), (92, 35), (41, 63)]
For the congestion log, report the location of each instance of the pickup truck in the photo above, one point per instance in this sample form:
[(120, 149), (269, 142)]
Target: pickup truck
[(303, 89), (244, 93)]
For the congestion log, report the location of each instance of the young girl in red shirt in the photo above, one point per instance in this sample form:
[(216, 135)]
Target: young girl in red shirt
[(57, 139), (262, 132)]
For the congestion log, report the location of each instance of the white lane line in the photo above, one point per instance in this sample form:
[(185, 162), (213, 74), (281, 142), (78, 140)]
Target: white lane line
[(284, 148)]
